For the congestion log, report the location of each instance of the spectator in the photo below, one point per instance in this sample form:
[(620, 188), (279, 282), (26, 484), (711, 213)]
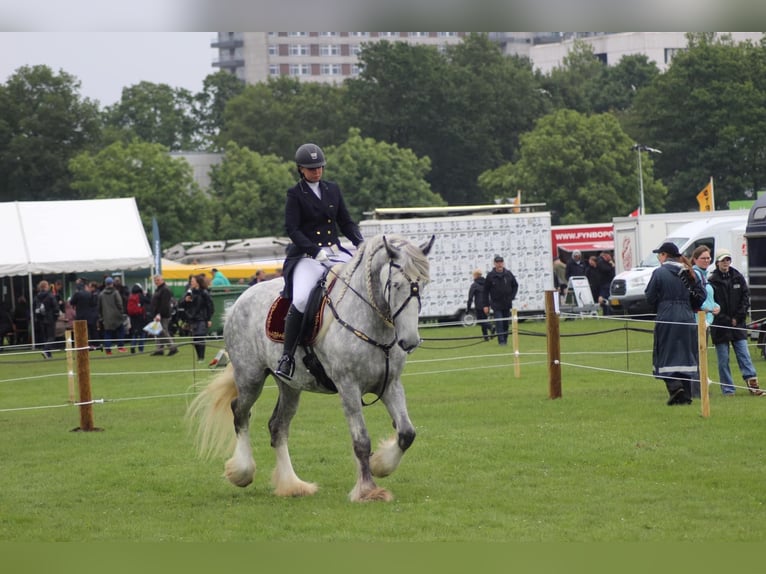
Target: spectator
[(85, 303), (700, 262), (21, 320), (7, 327), (46, 311), (258, 277), (138, 301), (674, 292), (605, 274), (112, 317), (575, 266), (219, 278), (500, 288), (477, 298), (162, 313), (591, 272), (199, 311), (730, 325), (560, 277)]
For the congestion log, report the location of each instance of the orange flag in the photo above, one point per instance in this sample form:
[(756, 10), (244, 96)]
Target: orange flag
[(705, 197)]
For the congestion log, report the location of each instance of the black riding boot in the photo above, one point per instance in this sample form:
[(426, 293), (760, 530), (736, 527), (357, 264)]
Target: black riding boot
[(293, 322)]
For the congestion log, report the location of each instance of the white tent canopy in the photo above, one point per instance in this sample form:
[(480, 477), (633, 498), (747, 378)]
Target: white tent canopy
[(71, 237)]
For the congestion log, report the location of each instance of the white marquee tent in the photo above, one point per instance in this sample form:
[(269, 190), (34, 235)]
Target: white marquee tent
[(71, 236), (41, 237)]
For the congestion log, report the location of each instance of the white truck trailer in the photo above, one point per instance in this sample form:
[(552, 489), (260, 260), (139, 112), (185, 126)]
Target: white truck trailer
[(635, 237), (467, 238)]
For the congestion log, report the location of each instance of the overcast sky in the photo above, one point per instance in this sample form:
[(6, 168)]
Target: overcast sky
[(107, 62)]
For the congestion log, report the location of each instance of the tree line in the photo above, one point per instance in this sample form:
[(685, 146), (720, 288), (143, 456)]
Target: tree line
[(417, 127)]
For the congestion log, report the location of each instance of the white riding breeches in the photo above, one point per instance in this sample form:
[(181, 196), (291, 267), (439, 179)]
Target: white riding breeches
[(308, 271)]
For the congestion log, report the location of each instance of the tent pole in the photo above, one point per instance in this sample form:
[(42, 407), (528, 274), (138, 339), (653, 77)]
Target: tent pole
[(31, 312)]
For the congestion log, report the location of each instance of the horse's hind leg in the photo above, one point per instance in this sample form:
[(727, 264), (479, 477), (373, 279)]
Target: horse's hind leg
[(390, 451), (284, 479), (240, 468)]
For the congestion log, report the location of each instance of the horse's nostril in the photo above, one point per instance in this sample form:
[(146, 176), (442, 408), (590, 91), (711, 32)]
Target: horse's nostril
[(408, 348)]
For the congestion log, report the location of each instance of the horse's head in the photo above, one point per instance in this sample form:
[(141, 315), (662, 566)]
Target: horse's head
[(403, 278)]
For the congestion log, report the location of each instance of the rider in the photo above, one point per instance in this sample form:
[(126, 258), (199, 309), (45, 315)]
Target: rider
[(313, 213)]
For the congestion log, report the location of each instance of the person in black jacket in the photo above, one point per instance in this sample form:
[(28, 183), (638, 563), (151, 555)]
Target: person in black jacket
[(85, 303), (199, 308), (477, 298), (314, 211), (674, 293), (732, 294), (162, 313), (46, 310), (500, 288)]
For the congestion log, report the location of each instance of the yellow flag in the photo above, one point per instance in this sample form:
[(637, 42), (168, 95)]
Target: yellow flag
[(517, 202), (705, 197)]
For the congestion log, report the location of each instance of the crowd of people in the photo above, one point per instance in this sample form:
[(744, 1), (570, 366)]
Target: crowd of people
[(117, 317), (598, 269), (677, 290)]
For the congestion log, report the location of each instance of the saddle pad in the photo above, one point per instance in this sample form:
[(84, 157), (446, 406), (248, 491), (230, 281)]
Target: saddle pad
[(275, 321)]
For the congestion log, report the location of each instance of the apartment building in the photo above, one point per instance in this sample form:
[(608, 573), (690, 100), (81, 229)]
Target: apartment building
[(309, 56), (332, 56), (659, 47)]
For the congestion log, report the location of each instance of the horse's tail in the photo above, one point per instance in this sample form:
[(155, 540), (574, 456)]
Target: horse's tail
[(211, 417)]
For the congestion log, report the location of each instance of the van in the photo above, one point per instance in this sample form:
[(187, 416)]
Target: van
[(626, 293)]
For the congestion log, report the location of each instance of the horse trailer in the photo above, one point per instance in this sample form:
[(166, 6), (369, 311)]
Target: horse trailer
[(467, 238)]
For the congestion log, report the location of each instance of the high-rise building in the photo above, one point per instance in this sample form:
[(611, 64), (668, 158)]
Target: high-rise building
[(332, 56), (309, 56)]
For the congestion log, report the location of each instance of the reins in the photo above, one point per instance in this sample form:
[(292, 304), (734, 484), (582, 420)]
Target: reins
[(386, 348)]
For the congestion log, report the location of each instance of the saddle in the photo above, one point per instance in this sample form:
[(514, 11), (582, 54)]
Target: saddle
[(312, 324), (275, 320)]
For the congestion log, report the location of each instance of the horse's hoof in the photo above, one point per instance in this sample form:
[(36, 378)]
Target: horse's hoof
[(376, 493), (238, 476), (299, 489)]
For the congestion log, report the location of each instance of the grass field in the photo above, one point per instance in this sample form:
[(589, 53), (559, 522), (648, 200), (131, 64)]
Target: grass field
[(495, 459)]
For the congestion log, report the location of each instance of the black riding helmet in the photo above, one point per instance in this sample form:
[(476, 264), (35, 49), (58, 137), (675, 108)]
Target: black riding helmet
[(310, 155)]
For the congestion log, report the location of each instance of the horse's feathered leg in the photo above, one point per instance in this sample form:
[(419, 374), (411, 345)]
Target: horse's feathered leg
[(365, 488), (240, 468), (390, 451), (284, 479)]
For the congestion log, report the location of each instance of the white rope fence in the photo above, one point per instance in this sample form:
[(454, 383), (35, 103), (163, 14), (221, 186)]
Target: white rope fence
[(533, 358)]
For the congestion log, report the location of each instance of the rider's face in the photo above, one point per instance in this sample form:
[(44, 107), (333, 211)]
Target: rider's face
[(312, 174)]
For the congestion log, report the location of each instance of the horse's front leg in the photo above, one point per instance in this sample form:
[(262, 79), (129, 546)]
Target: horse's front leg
[(284, 479), (390, 451), (365, 488)]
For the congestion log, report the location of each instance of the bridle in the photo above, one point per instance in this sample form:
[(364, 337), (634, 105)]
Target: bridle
[(388, 318)]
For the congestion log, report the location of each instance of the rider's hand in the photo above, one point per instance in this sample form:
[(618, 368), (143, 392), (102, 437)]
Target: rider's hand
[(321, 256)]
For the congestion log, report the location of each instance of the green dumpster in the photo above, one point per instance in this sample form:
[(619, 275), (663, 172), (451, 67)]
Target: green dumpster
[(223, 298)]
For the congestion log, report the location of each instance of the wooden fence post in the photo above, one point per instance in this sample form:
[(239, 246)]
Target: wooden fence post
[(554, 346), (83, 375), (702, 348), (515, 323)]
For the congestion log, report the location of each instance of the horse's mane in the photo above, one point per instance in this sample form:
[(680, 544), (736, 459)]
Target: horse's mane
[(413, 262)]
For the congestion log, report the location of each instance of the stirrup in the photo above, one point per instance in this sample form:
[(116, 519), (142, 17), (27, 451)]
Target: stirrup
[(286, 367)]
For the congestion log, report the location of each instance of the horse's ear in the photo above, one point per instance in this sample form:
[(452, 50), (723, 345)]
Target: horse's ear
[(392, 250), (426, 247)]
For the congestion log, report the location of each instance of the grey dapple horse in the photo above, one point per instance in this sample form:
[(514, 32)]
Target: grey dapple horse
[(370, 325)]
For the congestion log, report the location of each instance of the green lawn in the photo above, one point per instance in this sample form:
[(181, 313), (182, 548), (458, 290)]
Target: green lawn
[(495, 459)]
